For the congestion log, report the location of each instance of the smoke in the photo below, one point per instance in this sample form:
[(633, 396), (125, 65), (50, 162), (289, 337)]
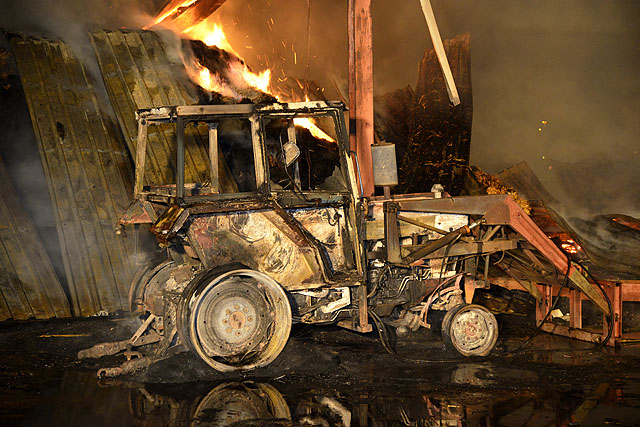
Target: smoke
[(69, 20), (571, 64), (72, 20)]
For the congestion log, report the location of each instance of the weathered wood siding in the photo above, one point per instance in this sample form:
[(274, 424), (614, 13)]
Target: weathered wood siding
[(29, 287), (88, 172), (138, 73)]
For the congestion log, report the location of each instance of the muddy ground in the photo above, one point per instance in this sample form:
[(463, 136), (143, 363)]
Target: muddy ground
[(325, 376)]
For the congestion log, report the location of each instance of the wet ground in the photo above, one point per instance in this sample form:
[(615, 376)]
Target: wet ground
[(325, 376)]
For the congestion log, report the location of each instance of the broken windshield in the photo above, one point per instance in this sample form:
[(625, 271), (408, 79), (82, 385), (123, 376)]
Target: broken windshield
[(302, 154)]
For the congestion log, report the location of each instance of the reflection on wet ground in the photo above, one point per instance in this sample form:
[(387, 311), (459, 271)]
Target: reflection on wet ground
[(84, 400), (325, 377)]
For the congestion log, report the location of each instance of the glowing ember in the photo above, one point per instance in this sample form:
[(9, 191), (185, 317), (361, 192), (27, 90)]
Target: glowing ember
[(237, 75), (627, 223), (570, 246)]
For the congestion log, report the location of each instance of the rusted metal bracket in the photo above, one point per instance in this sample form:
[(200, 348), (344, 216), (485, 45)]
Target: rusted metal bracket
[(421, 224), (130, 366), (138, 212), (469, 248), (391, 232), (526, 284), (503, 210), (168, 224), (440, 243), (112, 348), (136, 340)]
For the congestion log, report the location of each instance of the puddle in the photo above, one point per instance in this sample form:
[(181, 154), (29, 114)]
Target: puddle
[(83, 400)]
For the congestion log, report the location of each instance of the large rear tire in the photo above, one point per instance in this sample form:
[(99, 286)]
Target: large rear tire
[(470, 329), (150, 278), (235, 320), (239, 403)]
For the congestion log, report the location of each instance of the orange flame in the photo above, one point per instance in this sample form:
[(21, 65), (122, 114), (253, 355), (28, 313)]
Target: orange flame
[(238, 74), (169, 10), (312, 127), (211, 34), (570, 246)]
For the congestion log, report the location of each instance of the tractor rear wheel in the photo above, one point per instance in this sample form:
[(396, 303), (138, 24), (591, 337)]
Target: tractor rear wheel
[(235, 320)]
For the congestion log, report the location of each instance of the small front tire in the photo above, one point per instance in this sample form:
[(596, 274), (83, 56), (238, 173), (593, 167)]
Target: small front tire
[(470, 329)]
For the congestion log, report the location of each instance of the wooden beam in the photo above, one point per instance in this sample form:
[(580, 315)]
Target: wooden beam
[(361, 88), (439, 48), (213, 157)]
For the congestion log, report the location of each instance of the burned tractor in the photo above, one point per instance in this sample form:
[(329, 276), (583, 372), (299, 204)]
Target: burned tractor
[(274, 230)]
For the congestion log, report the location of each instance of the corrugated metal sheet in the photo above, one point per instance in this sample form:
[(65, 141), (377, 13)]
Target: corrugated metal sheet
[(139, 74), (28, 284), (88, 172)]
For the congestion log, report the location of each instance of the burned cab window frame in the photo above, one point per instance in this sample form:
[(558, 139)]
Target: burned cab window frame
[(234, 153), (314, 162)]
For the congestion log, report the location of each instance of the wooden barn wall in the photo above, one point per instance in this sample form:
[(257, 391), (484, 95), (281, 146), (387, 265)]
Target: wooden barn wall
[(138, 74), (29, 287), (88, 171)]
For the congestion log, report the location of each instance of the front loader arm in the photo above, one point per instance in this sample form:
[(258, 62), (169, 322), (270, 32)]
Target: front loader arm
[(501, 209)]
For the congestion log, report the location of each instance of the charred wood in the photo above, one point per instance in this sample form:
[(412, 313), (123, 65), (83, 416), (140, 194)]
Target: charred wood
[(220, 62), (432, 136)]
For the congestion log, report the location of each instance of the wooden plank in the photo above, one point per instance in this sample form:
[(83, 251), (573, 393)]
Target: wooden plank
[(88, 172), (579, 334), (28, 284), (52, 159), (5, 313), (361, 87), (429, 16), (12, 292), (112, 183), (84, 175)]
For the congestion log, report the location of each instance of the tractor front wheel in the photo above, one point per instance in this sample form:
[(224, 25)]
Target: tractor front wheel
[(470, 329)]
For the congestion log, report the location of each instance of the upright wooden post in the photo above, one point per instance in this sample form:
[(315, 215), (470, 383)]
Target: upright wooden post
[(361, 88), (213, 158), (141, 154)]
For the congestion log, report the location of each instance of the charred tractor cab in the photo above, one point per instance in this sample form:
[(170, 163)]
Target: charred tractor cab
[(273, 230)]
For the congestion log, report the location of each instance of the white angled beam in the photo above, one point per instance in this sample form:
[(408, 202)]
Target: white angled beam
[(442, 56)]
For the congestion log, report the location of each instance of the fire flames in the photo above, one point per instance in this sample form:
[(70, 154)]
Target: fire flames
[(175, 16), (570, 246)]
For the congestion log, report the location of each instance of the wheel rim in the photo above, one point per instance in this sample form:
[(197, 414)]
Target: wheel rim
[(240, 320), (472, 330), (231, 403), (232, 319)]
